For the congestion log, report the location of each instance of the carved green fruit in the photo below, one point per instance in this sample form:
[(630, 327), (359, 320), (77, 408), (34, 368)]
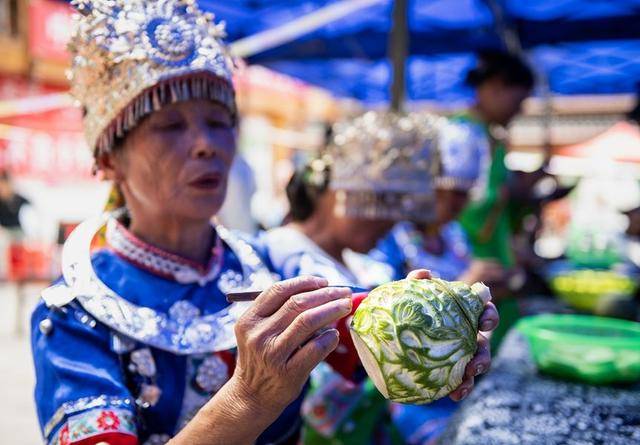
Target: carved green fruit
[(415, 337)]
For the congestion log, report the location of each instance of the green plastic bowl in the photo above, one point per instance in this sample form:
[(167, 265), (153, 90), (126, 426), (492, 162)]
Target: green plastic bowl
[(586, 348), (586, 290)]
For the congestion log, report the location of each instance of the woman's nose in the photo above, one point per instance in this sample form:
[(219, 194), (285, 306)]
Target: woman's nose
[(204, 150), (203, 145)]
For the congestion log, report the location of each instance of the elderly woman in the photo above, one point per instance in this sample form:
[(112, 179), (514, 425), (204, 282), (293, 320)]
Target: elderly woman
[(136, 344)]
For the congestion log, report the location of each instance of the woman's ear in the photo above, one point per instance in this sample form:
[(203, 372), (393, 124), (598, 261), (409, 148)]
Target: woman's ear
[(108, 167), (330, 204)]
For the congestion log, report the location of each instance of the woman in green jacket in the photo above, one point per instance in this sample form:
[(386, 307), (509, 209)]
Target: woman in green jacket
[(501, 83)]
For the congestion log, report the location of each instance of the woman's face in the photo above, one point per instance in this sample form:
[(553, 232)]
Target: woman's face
[(449, 204), (176, 161), (358, 234), (499, 102)]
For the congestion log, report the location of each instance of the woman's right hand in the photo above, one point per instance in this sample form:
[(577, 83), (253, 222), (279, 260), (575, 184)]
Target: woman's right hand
[(283, 336), (279, 344)]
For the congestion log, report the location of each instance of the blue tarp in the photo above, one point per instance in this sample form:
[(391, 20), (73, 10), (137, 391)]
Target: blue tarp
[(582, 46)]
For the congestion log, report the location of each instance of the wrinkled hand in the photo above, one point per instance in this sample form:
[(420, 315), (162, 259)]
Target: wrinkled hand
[(481, 361), (279, 339)]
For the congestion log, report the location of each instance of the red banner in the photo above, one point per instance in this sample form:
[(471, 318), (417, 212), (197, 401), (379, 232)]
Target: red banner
[(45, 143), (52, 157), (18, 87), (50, 24)]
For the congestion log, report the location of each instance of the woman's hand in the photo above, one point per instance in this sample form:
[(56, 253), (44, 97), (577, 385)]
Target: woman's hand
[(284, 335), (481, 362), (281, 338)]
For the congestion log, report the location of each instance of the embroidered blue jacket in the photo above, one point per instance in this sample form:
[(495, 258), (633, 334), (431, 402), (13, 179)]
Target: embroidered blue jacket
[(96, 383)]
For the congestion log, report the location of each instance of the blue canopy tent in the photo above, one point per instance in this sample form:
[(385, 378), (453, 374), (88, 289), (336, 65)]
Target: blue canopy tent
[(579, 46)]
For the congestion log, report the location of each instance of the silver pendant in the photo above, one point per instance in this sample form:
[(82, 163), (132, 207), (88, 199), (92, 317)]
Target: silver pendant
[(46, 326), (144, 362), (183, 312), (212, 374), (231, 281), (149, 396), (157, 439)]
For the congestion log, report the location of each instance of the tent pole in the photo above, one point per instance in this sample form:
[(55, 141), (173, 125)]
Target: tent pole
[(398, 52), (504, 27), (511, 40), (300, 27)]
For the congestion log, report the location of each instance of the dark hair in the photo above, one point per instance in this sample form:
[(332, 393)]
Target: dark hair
[(509, 68), (304, 189)]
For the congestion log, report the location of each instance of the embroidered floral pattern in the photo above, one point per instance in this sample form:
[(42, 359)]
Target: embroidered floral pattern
[(231, 281), (205, 374), (205, 334), (97, 421), (183, 312), (64, 435), (75, 406), (108, 421)]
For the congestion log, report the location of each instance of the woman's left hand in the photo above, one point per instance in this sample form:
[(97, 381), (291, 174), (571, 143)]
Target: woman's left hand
[(481, 362)]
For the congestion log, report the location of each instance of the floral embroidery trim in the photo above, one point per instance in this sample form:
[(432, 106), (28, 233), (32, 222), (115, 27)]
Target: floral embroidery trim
[(108, 421), (75, 406), (95, 422)]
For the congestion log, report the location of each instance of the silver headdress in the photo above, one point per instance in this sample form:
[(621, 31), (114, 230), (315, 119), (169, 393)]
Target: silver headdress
[(132, 57), (465, 154), (383, 166)]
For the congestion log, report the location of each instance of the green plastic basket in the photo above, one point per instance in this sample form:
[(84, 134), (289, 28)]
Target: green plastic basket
[(585, 290), (591, 349)]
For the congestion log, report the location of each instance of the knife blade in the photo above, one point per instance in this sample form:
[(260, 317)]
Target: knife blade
[(235, 297)]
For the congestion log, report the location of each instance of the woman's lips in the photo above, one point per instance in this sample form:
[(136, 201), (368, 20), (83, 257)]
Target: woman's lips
[(206, 182)]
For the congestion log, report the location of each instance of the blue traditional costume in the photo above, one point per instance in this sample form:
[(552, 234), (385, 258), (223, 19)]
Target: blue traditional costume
[(132, 341)]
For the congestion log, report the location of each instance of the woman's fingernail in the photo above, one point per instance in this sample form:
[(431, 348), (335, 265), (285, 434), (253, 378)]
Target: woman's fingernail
[(479, 369), (342, 291), (486, 325), (464, 394), (329, 336), (346, 303)]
